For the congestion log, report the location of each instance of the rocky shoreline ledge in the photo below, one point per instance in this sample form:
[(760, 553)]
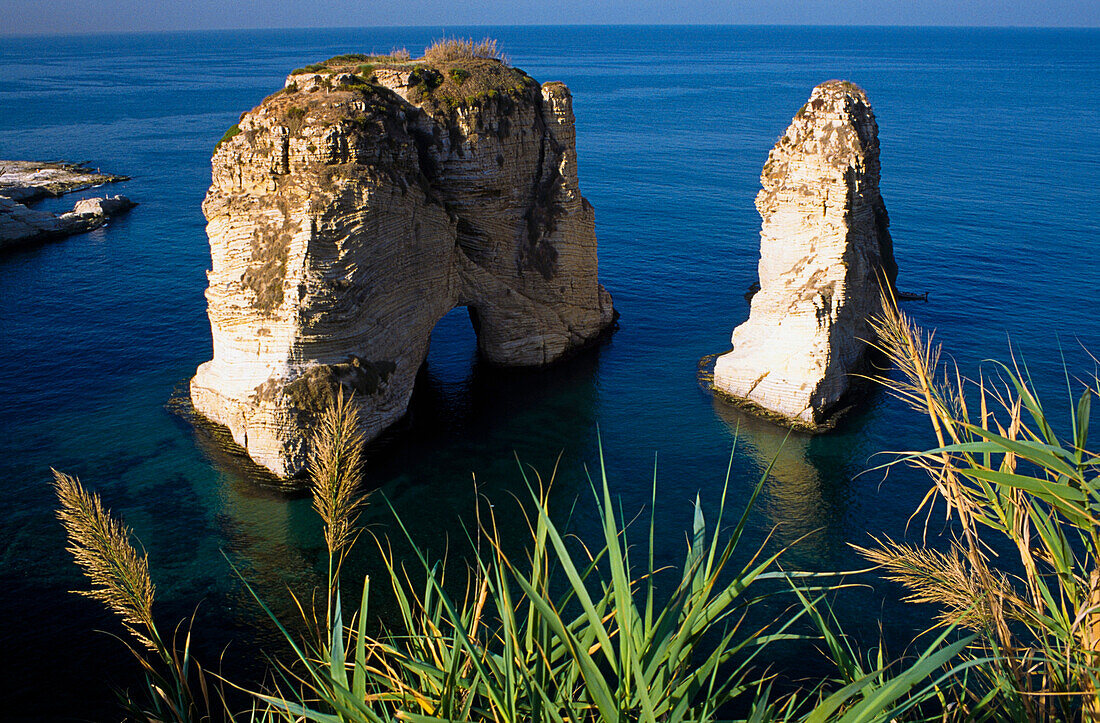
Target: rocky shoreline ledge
[(24, 182)]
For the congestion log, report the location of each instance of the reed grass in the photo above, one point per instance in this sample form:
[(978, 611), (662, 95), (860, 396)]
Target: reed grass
[(176, 687), (560, 634), (1003, 474), (567, 632)]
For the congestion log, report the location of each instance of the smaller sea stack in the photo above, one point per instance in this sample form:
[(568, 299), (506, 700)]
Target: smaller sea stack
[(825, 256)]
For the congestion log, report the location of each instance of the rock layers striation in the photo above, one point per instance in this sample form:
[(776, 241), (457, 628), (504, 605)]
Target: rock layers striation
[(825, 256), (352, 210)]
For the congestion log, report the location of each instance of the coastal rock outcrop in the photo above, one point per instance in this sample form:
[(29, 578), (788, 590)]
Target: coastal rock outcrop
[(825, 256), (22, 226), (352, 210), (29, 181)]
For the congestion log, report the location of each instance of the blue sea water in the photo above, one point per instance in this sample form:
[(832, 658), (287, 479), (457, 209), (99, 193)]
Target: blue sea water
[(991, 175)]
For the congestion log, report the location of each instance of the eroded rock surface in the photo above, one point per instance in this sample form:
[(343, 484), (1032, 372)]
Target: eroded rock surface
[(825, 252), (352, 210)]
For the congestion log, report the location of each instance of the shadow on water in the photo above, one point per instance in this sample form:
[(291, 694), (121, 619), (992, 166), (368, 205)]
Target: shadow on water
[(469, 428), (477, 431)]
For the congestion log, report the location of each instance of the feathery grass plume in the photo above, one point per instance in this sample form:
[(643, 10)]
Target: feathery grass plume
[(120, 580), (101, 546), (914, 354), (336, 471), (941, 578)]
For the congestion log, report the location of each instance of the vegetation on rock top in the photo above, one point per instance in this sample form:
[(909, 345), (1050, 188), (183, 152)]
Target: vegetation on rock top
[(453, 72), (468, 81), (233, 131)]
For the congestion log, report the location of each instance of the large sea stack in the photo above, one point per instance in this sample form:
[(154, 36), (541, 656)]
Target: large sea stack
[(825, 256), (350, 211)]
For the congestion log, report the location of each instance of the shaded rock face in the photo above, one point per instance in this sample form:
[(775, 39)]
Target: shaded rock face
[(825, 248), (351, 211)]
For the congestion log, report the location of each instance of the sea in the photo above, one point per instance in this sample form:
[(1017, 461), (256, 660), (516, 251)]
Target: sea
[(990, 173)]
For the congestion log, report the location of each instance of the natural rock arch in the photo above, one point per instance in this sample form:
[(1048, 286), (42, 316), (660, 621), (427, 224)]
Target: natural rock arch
[(351, 211)]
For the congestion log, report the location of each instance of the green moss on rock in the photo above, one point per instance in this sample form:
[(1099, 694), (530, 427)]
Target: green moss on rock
[(233, 132)]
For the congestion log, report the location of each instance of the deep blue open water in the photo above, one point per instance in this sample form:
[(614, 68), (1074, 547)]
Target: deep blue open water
[(990, 172)]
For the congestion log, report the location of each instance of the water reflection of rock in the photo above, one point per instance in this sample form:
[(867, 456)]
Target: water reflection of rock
[(480, 425), (806, 496), (265, 529)]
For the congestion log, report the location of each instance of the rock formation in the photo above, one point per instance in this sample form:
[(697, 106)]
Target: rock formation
[(29, 181), (352, 210), (22, 226), (825, 255), (23, 182)]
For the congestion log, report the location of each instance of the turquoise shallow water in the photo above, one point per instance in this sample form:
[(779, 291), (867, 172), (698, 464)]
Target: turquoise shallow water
[(991, 175)]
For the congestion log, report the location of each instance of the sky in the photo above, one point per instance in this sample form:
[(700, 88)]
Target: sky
[(55, 17)]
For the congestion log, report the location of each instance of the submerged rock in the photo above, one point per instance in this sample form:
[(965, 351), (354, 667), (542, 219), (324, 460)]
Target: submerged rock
[(825, 255), (352, 210)]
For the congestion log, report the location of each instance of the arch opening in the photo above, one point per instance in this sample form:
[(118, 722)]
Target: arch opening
[(453, 347)]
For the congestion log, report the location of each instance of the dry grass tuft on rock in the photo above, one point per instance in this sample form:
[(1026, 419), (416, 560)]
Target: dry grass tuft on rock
[(446, 50)]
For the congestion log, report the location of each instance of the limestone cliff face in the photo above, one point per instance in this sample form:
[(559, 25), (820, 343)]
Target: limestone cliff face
[(351, 211), (824, 246)]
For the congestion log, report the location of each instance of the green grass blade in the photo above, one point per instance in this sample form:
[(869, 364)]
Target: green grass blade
[(359, 675)]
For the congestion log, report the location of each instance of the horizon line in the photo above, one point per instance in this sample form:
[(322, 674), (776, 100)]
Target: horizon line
[(103, 33)]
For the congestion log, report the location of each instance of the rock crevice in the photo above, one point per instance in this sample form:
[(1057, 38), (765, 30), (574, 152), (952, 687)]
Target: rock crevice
[(825, 256), (351, 211)]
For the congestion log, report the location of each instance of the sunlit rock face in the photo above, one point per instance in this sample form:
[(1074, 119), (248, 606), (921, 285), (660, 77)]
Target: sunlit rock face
[(352, 210), (825, 255)]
